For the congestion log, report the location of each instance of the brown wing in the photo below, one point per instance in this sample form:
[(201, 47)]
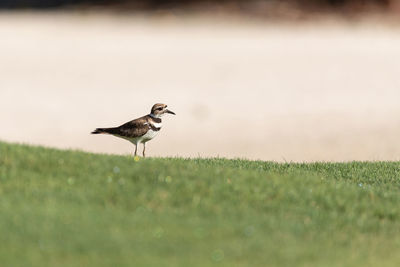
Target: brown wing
[(132, 129)]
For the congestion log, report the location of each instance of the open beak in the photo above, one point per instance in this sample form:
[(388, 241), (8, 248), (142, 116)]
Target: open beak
[(170, 112)]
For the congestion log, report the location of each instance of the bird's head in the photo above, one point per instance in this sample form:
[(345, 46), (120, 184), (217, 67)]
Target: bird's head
[(158, 110)]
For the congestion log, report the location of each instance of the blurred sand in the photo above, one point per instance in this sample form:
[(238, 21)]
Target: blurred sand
[(323, 92)]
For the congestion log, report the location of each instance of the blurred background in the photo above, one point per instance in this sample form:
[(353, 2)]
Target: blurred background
[(305, 80)]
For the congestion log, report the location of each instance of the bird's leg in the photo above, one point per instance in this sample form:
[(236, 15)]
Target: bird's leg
[(135, 150), (144, 150)]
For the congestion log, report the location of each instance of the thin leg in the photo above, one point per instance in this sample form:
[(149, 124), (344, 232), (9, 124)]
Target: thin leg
[(144, 150), (135, 150)]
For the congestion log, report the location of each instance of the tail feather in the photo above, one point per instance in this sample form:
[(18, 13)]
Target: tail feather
[(100, 131)]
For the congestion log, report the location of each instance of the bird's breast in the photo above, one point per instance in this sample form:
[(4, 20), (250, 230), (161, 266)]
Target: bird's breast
[(156, 124)]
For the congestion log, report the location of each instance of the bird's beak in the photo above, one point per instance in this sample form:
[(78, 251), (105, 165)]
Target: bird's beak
[(170, 112)]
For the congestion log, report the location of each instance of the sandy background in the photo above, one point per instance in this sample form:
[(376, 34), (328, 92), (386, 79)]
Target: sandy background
[(326, 91)]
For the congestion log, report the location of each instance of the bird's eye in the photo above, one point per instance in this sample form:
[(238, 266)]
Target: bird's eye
[(159, 108)]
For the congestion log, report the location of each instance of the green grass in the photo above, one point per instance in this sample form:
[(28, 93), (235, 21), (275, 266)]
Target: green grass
[(70, 208)]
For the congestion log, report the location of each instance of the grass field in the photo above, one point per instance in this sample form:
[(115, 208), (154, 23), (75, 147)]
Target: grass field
[(70, 208)]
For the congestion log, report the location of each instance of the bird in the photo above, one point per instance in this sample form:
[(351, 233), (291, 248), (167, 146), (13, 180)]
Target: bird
[(140, 130)]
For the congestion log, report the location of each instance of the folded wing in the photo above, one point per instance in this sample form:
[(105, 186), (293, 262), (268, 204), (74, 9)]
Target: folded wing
[(131, 129)]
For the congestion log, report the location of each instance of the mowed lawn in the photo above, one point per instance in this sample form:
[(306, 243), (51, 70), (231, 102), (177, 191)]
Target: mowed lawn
[(70, 208)]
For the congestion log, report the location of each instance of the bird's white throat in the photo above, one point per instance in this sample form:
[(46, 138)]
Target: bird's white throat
[(158, 116)]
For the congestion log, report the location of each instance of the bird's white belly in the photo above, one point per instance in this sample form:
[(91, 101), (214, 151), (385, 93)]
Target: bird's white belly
[(142, 139), (148, 136)]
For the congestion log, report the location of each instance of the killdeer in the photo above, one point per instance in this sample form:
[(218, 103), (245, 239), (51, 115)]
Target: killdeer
[(141, 130)]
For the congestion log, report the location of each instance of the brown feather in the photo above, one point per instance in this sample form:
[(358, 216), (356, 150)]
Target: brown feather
[(135, 128)]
